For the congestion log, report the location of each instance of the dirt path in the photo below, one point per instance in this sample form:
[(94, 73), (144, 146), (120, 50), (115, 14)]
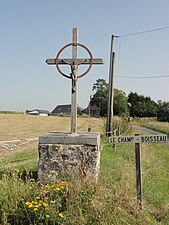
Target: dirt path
[(145, 130)]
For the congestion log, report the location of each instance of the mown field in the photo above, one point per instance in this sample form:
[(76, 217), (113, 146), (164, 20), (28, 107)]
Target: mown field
[(23, 131), (25, 200)]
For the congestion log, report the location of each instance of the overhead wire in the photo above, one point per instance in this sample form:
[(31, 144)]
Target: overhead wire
[(141, 32), (143, 77), (135, 34)]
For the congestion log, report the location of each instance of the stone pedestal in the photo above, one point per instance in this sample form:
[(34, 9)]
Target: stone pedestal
[(72, 155)]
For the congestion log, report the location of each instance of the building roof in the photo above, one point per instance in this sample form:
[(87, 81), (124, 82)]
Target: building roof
[(61, 109)]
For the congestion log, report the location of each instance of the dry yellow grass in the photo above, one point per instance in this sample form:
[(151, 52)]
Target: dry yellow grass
[(20, 127), (17, 126)]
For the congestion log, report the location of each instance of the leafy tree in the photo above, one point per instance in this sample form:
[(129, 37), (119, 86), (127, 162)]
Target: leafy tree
[(163, 111), (120, 103), (100, 98), (101, 95), (141, 106)]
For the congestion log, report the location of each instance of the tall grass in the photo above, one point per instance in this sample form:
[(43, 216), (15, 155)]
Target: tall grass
[(112, 201), (121, 125), (80, 202)]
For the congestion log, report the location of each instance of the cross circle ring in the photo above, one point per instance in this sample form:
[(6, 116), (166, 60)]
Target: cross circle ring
[(72, 44)]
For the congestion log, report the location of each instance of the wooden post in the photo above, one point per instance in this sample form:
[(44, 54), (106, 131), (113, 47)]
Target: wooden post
[(90, 105), (74, 84), (110, 96), (138, 174), (89, 109)]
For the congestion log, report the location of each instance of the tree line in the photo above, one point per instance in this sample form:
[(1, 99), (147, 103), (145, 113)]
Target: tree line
[(133, 105)]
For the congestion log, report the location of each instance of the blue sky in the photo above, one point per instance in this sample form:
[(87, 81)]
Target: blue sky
[(32, 31)]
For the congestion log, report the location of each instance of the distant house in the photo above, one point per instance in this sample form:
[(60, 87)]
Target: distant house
[(92, 110), (38, 112), (65, 110)]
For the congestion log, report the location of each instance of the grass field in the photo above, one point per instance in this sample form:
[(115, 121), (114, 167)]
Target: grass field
[(20, 129), (111, 201)]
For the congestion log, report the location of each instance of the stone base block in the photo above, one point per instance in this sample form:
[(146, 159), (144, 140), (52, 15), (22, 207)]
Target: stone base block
[(72, 155)]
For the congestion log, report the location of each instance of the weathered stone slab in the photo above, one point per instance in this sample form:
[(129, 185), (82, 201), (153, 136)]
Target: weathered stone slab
[(73, 155), (70, 138)]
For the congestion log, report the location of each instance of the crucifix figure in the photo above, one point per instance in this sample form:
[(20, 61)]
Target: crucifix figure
[(74, 62)]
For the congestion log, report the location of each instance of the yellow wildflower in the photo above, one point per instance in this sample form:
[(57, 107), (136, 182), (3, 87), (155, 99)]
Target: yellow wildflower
[(61, 215), (35, 209), (66, 183), (52, 201), (27, 203), (57, 189), (45, 204), (47, 186), (48, 216), (148, 220), (37, 197), (30, 205)]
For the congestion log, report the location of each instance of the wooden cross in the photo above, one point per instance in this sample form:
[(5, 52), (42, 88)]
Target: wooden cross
[(74, 62)]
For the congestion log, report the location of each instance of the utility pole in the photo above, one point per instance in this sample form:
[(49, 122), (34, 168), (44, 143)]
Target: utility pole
[(111, 90)]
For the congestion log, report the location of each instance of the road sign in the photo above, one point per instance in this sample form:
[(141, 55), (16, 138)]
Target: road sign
[(138, 139)]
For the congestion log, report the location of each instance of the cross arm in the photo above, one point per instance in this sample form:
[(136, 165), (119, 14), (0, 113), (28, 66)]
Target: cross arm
[(65, 61)]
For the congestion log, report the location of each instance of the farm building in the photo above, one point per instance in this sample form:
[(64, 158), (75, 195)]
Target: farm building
[(38, 112), (65, 110), (92, 110)]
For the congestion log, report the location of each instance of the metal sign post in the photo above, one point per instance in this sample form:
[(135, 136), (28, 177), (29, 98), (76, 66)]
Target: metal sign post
[(74, 62)]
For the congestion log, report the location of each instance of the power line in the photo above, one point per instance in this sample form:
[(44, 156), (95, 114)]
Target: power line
[(139, 33), (144, 77), (142, 32)]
